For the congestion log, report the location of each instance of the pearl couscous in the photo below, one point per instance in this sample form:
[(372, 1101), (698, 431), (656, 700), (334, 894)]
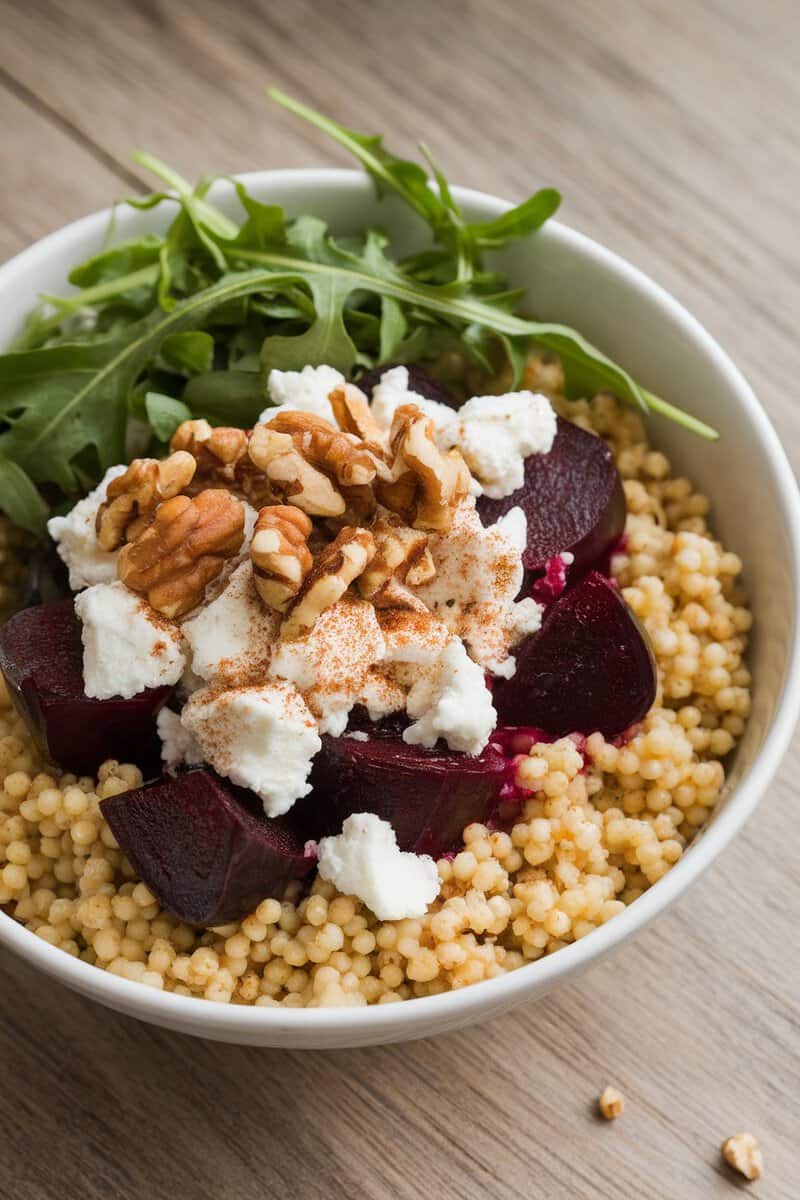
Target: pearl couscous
[(601, 822)]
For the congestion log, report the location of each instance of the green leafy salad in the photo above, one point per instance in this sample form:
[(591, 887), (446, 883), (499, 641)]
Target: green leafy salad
[(188, 324)]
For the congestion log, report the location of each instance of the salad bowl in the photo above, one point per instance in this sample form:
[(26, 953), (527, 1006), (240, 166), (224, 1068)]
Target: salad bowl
[(568, 278)]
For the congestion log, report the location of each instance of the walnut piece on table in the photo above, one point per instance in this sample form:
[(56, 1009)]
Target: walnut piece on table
[(611, 1103), (743, 1153)]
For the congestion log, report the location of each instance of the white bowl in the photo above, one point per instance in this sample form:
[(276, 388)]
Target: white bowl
[(756, 511)]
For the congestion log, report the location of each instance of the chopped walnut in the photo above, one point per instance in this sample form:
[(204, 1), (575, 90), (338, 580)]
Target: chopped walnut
[(424, 485), (611, 1103), (132, 498), (185, 547), (333, 571), (354, 415), (280, 554), (340, 455), (217, 452), (290, 477), (743, 1153), (401, 555)]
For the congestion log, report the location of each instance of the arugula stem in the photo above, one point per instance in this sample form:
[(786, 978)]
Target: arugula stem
[(85, 298)]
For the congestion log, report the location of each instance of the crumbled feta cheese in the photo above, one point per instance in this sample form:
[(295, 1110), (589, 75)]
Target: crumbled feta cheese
[(393, 391), (452, 702), (514, 527), (127, 645), (358, 735), (232, 637), (178, 746), (381, 695), (304, 391), (330, 664), (496, 434), (261, 737), (364, 860), (478, 576), (412, 638), (76, 541)]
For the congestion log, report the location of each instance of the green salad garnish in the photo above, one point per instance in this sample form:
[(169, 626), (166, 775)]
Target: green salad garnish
[(189, 324)]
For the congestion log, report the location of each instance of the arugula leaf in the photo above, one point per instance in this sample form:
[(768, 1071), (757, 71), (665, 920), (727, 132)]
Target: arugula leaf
[(19, 498), (191, 351), (116, 262), (410, 182), (165, 414), (226, 397), (60, 400)]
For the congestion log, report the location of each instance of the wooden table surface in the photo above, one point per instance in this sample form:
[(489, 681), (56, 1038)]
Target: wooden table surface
[(671, 128)]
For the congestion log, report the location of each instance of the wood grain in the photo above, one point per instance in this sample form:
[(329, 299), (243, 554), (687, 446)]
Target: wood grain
[(671, 129)]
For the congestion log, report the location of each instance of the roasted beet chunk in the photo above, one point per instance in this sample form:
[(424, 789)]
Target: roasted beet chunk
[(428, 796), (419, 381), (205, 848), (41, 657), (590, 667), (572, 498)]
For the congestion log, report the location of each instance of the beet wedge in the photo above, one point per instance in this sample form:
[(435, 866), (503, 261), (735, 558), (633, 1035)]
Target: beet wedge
[(205, 848), (41, 657), (428, 796), (572, 498), (590, 667)]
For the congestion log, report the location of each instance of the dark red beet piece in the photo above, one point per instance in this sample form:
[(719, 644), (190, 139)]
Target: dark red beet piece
[(573, 500), (205, 848), (419, 381), (41, 657), (428, 796), (589, 667)]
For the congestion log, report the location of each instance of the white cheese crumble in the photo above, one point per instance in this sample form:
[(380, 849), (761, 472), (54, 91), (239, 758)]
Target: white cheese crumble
[(393, 391), (76, 541), (303, 391), (262, 737), (478, 576), (364, 860), (178, 746), (330, 664), (495, 434), (127, 646), (453, 703), (231, 638)]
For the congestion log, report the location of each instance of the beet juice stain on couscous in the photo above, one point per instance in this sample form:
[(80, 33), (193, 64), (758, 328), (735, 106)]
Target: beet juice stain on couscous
[(599, 820)]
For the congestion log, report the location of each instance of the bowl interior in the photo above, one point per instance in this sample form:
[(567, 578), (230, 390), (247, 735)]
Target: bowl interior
[(755, 511)]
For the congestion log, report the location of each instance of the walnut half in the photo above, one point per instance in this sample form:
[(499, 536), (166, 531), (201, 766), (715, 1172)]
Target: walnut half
[(289, 477), (401, 555), (333, 571), (424, 485), (133, 497), (185, 547), (216, 451), (280, 554)]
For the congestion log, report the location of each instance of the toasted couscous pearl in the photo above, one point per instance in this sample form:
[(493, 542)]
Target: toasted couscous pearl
[(602, 822)]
